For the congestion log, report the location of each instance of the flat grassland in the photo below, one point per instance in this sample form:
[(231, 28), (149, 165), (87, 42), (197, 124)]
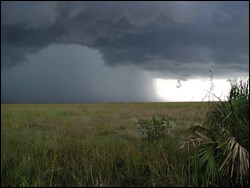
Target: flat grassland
[(93, 144)]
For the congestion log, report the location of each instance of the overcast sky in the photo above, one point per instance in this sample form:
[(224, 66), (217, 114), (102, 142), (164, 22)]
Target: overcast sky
[(53, 52)]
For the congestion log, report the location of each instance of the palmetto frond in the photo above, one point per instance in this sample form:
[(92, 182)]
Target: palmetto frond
[(221, 143), (236, 161)]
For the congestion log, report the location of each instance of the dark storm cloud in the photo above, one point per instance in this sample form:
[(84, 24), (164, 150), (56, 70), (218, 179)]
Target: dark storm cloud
[(172, 37), (74, 74)]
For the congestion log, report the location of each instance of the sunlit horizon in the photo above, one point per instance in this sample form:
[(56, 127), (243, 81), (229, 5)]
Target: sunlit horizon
[(191, 90)]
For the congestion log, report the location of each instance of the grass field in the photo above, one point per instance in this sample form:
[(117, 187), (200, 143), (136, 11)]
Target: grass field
[(94, 145)]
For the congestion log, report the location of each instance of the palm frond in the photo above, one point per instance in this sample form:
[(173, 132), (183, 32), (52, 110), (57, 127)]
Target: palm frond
[(221, 144), (236, 163), (206, 154)]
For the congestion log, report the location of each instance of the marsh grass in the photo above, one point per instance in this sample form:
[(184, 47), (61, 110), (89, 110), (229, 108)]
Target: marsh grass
[(89, 145)]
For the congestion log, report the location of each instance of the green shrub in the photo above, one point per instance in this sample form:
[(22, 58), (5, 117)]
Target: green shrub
[(222, 143), (155, 128)]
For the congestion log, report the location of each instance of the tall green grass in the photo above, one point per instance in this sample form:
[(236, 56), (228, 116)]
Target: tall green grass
[(90, 145)]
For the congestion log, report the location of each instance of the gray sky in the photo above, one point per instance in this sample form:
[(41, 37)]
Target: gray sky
[(112, 51)]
